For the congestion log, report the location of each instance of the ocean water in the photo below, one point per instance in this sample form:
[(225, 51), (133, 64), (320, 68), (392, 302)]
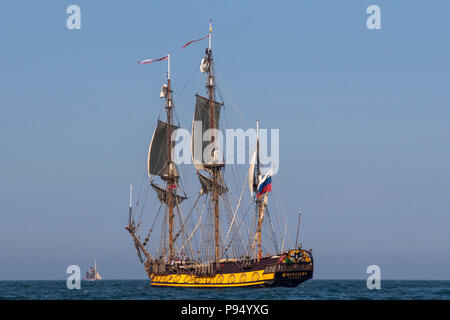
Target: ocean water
[(141, 289)]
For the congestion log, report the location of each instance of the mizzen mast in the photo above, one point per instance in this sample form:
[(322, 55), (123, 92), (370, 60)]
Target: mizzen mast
[(259, 185), (258, 199)]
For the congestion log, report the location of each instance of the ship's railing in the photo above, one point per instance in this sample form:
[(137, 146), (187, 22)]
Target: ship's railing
[(162, 267), (289, 267)]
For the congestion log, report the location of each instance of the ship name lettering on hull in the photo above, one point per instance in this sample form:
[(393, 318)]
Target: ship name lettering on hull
[(293, 274)]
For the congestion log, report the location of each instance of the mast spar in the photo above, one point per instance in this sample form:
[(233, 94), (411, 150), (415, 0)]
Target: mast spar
[(171, 178), (214, 168), (160, 164), (258, 199)]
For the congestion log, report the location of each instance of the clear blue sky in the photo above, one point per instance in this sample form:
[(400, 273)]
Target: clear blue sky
[(363, 117)]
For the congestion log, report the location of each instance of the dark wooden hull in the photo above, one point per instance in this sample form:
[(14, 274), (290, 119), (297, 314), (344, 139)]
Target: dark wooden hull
[(265, 272)]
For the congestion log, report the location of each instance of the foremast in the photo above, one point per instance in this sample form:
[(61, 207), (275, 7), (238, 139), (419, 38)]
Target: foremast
[(172, 177), (160, 163)]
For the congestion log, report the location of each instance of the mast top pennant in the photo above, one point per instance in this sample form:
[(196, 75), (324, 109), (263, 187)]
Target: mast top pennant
[(192, 41), (205, 37), (147, 61)]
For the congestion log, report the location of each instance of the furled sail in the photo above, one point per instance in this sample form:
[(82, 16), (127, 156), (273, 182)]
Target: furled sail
[(252, 179), (204, 65), (158, 155), (207, 185), (201, 123), (163, 197)]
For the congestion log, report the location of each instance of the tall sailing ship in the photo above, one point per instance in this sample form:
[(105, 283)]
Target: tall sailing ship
[(208, 241), (93, 274)]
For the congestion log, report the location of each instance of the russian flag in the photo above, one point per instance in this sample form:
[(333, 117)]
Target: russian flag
[(265, 185)]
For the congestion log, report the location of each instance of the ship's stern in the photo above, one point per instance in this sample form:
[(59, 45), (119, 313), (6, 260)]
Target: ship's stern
[(295, 267)]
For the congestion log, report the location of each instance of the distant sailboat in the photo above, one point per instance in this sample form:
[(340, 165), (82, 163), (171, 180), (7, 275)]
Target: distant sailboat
[(93, 274)]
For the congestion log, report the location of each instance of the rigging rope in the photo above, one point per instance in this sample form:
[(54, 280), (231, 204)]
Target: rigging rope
[(235, 212), (195, 228), (182, 226)]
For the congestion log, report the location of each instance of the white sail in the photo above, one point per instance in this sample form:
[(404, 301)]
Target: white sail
[(251, 173), (97, 275)]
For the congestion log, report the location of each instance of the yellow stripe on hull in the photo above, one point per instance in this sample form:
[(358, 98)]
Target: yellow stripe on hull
[(243, 279)]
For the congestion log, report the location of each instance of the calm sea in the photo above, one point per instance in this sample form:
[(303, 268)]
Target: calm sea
[(140, 289)]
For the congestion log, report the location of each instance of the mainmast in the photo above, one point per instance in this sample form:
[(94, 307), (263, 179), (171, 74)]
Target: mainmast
[(215, 167), (206, 151)]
